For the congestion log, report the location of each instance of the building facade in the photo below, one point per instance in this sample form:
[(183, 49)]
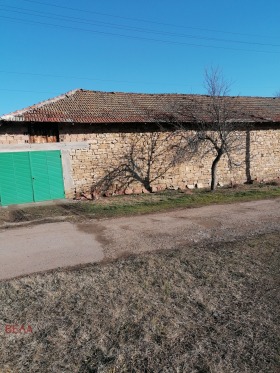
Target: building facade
[(91, 143)]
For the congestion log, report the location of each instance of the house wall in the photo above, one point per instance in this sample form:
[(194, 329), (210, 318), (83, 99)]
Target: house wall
[(90, 153), (13, 134), (106, 151)]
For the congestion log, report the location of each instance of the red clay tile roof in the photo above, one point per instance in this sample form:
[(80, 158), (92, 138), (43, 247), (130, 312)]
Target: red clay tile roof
[(84, 106)]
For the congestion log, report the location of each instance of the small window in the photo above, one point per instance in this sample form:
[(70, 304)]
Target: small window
[(43, 132)]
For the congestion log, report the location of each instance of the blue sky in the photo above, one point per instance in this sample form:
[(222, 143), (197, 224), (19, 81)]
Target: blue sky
[(50, 47)]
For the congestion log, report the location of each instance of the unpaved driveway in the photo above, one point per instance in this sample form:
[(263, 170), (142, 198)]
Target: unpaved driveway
[(48, 246)]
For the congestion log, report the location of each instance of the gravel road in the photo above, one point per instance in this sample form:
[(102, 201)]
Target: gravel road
[(43, 247)]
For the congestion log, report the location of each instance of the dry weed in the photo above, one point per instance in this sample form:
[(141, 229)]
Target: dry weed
[(201, 309)]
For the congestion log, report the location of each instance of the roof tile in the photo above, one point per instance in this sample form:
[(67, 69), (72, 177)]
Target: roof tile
[(84, 106)]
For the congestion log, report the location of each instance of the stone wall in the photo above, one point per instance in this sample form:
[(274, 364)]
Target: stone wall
[(95, 168), (13, 134), (94, 155)]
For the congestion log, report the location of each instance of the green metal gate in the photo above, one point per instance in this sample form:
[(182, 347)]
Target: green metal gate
[(30, 177), (15, 178)]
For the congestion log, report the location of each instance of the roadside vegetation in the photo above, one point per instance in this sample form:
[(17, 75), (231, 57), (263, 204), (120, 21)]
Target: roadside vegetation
[(208, 308), (125, 205)]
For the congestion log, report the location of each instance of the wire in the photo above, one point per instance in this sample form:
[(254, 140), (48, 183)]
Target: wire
[(25, 91), (135, 37), (140, 19), (129, 28), (80, 78)]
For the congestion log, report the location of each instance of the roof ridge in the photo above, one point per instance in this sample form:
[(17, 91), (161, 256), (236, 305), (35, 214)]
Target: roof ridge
[(98, 106), (171, 94)]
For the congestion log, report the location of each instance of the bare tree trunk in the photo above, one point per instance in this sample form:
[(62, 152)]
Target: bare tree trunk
[(248, 157), (147, 185), (214, 171)]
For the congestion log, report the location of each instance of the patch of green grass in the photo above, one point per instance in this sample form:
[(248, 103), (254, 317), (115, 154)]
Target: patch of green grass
[(139, 204), (170, 201)]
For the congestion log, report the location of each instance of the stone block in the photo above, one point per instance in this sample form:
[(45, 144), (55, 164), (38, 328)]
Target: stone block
[(128, 191), (144, 190), (137, 190)]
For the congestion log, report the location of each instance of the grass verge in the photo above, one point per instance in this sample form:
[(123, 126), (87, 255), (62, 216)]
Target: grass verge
[(137, 204), (198, 309)]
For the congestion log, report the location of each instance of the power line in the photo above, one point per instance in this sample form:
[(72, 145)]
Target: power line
[(129, 28), (24, 91), (141, 19), (79, 78), (135, 37)]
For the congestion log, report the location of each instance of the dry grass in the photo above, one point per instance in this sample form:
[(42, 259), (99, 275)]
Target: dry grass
[(200, 309)]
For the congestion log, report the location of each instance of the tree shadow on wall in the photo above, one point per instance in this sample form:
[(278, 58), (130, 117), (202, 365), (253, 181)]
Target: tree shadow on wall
[(147, 159)]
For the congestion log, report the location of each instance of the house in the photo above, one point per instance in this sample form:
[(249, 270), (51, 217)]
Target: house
[(66, 145)]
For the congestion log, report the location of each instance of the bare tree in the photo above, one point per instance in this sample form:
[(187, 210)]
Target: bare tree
[(215, 130), (277, 94), (217, 120)]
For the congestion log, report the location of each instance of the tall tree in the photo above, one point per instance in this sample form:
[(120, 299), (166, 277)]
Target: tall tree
[(217, 119)]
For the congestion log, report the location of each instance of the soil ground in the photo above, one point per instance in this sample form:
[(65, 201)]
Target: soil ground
[(183, 291), (47, 246), (131, 205)]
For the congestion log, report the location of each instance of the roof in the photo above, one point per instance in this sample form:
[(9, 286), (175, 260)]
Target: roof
[(85, 106)]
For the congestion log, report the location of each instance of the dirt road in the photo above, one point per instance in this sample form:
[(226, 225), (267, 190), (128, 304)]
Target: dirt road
[(43, 247)]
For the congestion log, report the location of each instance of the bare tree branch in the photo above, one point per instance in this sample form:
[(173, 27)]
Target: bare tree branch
[(217, 123)]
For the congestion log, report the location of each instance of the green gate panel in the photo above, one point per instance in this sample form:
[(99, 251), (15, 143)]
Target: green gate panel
[(15, 178), (30, 176), (47, 175)]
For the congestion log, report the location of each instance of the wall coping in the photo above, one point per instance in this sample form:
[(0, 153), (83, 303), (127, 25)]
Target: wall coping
[(44, 147)]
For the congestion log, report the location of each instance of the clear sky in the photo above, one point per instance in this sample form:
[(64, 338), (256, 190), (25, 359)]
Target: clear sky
[(49, 47)]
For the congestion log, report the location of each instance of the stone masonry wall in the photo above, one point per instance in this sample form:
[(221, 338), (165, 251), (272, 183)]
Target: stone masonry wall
[(13, 134), (106, 152), (102, 151)]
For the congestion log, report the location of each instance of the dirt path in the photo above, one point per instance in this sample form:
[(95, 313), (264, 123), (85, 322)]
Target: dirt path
[(48, 246)]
